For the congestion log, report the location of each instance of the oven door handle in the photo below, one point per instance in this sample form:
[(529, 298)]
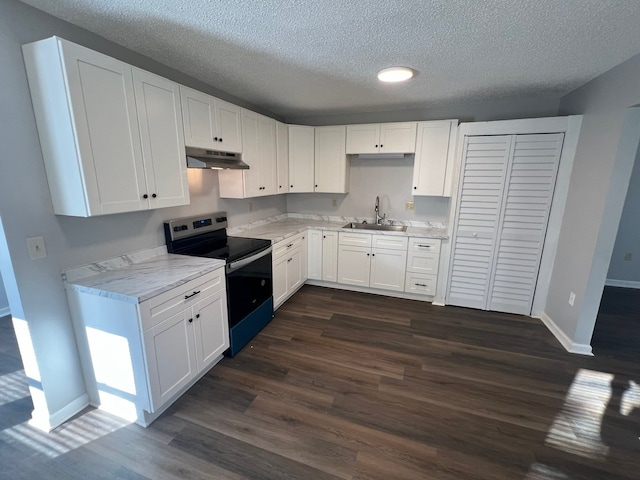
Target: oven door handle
[(246, 261)]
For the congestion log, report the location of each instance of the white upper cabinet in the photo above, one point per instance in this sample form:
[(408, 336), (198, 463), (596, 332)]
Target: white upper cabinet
[(399, 137), (301, 159), (210, 122), (259, 152), (160, 119), (331, 170), (282, 156), (100, 144), (434, 159)]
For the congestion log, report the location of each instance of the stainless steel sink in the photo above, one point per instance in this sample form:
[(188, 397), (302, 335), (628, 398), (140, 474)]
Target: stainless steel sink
[(372, 226)]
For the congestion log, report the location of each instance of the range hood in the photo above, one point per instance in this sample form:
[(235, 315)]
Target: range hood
[(215, 159)]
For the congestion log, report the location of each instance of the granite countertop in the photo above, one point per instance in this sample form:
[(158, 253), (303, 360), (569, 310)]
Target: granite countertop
[(138, 277), (284, 226)]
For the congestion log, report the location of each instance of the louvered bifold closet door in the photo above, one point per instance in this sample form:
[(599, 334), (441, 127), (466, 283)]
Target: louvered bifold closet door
[(481, 188), (531, 179)]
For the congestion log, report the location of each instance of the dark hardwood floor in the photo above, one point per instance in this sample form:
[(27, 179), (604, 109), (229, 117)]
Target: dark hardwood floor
[(356, 386)]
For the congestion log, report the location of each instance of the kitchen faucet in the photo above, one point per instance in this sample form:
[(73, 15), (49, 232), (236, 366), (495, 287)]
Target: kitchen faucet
[(379, 218)]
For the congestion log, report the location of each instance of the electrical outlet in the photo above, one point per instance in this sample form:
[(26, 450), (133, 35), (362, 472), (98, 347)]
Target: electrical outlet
[(628, 257), (409, 206), (334, 202), (36, 248), (251, 206), (572, 298)]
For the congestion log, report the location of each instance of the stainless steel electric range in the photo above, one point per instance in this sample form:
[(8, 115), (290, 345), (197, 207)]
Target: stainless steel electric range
[(248, 270)]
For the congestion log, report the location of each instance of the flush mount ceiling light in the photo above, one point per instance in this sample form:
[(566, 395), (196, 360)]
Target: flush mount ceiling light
[(395, 74)]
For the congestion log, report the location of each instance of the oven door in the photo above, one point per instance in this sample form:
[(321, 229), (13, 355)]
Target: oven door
[(249, 284)]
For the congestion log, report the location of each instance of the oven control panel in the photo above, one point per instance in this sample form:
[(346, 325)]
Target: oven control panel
[(189, 226)]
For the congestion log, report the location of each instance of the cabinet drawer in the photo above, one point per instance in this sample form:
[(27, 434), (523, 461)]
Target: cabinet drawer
[(424, 245), (169, 303), (420, 284), (286, 245), (423, 262), (390, 242), (355, 239)]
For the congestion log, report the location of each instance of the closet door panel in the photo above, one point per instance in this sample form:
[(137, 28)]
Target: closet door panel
[(525, 214), (485, 161)]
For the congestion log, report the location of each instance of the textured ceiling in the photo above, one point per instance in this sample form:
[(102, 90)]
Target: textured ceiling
[(306, 57)]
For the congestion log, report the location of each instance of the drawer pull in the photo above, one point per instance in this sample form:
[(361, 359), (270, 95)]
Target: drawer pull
[(290, 245), (192, 295), (425, 246), (420, 284)]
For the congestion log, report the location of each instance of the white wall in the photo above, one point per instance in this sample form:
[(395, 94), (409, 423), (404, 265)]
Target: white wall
[(621, 271), (599, 180), (35, 289), (388, 178)]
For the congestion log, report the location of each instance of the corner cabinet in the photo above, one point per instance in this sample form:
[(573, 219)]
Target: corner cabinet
[(142, 357), (209, 122), (282, 156), (301, 158), (260, 153), (111, 135), (398, 137), (331, 167), (433, 170)]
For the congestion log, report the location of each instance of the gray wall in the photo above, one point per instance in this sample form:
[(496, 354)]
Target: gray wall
[(604, 159), (505, 109), (26, 211), (628, 237)]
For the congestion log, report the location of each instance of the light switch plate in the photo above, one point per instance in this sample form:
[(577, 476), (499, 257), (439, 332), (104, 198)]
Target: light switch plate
[(36, 248)]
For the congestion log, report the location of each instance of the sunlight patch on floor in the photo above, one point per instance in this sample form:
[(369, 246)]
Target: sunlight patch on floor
[(73, 434), (539, 471), (13, 386), (630, 399), (576, 429)]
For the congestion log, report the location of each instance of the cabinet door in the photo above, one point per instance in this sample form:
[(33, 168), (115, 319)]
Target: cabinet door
[(388, 269), (432, 154), (304, 253), (227, 127), (171, 359), (314, 255), (198, 118), (280, 280), (102, 98), (354, 264), (162, 136), (250, 155), (294, 271), (267, 154), (330, 256), (301, 158), (211, 329), (363, 138), (330, 160), (282, 153), (398, 137)]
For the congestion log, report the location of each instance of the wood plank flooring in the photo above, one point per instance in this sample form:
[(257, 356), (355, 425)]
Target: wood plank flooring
[(343, 385)]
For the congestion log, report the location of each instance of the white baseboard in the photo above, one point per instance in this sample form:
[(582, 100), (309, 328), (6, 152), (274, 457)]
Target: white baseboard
[(565, 341), (46, 422), (610, 282), (4, 311)]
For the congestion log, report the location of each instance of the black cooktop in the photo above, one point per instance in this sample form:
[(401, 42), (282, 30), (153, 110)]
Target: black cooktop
[(229, 248)]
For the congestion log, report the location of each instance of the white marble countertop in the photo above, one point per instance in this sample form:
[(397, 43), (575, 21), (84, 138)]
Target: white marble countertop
[(138, 277), (285, 226)]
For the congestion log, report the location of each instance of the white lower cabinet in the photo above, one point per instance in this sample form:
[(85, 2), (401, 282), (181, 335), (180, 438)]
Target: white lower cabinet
[(141, 357), (375, 261), (423, 259), (289, 267)]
